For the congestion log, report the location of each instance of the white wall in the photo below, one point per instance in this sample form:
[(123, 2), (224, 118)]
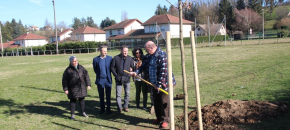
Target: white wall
[(199, 32), (135, 25), (28, 43), (174, 30), (95, 37)]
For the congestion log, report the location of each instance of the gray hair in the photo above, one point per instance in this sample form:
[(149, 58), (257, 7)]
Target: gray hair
[(71, 58), (101, 47)]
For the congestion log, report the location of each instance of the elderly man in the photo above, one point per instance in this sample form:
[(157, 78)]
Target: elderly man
[(102, 69), (120, 63), (156, 67)]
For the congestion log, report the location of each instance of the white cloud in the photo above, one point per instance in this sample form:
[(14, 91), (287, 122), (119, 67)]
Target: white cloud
[(39, 2)]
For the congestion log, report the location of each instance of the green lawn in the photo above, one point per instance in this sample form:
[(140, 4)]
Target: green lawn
[(31, 95)]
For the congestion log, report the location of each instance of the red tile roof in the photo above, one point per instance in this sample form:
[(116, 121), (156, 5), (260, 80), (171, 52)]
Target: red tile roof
[(62, 33), (29, 36), (165, 18), (10, 44), (135, 34), (122, 24), (88, 30)]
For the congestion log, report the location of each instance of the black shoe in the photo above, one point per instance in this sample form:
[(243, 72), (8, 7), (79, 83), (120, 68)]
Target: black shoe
[(102, 112), (109, 112)]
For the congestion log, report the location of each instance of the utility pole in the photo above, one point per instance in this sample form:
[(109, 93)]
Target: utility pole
[(55, 28), (1, 42)]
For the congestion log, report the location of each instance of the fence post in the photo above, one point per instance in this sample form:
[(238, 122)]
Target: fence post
[(88, 50), (43, 52), (96, 50), (64, 51), (50, 52), (80, 51), (72, 51)]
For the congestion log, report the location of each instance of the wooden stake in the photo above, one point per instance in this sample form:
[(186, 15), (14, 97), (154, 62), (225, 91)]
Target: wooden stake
[(195, 73), (169, 78)]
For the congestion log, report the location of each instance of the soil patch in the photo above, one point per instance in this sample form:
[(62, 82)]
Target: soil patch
[(228, 114)]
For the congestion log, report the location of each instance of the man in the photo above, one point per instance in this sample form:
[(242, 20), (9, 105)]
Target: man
[(156, 66), (102, 69), (120, 63)]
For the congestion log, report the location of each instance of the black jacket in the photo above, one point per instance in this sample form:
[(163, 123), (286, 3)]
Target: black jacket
[(117, 68), (76, 81)]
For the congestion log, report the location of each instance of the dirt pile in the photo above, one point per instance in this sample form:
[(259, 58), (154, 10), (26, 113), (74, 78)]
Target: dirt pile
[(228, 113)]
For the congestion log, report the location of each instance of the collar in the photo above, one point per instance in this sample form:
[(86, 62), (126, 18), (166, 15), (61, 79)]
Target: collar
[(103, 57)]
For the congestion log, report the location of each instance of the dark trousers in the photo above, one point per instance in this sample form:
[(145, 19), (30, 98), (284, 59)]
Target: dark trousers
[(72, 104), (161, 106), (104, 87), (141, 86)]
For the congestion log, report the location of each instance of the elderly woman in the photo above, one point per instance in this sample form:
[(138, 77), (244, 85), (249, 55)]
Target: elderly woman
[(75, 82), (140, 85)]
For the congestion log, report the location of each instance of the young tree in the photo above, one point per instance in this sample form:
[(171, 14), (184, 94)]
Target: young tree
[(7, 31), (225, 8), (124, 16), (61, 25), (241, 4), (76, 23)]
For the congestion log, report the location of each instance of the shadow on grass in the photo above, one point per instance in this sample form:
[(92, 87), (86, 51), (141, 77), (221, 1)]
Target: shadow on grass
[(68, 127)]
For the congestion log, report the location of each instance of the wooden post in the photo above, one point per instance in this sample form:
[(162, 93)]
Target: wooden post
[(72, 51), (183, 67), (169, 77), (80, 51), (195, 73)]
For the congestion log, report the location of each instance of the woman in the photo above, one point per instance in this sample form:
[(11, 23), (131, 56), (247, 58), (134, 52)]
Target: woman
[(140, 85), (74, 82)]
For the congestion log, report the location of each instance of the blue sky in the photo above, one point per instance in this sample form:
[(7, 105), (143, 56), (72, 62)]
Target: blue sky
[(35, 12)]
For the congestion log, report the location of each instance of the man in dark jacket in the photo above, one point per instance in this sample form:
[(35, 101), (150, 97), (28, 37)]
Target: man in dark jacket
[(75, 82), (120, 63), (102, 69)]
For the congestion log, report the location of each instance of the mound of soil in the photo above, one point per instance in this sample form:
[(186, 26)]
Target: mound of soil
[(228, 114)]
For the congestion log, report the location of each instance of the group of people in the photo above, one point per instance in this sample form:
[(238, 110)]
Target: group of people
[(151, 67)]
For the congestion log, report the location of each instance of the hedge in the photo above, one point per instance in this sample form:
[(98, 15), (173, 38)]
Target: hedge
[(200, 39)]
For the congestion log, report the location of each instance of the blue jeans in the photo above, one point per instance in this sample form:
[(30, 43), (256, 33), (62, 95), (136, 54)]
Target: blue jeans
[(104, 85), (118, 94)]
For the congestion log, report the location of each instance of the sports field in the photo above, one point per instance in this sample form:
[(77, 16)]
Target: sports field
[(31, 95)]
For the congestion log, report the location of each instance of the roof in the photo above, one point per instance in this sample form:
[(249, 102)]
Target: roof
[(10, 44), (88, 30), (122, 24), (34, 26), (213, 27), (29, 36), (62, 33), (164, 19), (135, 34)]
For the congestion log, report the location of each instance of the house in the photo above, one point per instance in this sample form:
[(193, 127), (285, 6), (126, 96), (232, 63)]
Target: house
[(33, 28), (215, 29), (154, 28), (166, 22), (61, 36), (123, 28), (10, 44), (88, 34), (30, 39), (48, 28)]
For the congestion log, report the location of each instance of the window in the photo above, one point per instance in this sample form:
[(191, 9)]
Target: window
[(119, 31), (198, 29), (110, 32)]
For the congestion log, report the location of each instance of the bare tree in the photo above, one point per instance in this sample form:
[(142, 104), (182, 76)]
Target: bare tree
[(47, 32), (248, 18), (61, 25), (124, 15)]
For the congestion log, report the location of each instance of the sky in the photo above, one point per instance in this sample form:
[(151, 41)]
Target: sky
[(35, 12)]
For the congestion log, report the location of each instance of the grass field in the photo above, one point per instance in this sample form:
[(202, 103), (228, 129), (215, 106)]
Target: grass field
[(31, 95)]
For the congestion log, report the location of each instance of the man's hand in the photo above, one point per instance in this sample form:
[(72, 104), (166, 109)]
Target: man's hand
[(132, 74), (89, 87), (131, 69), (66, 92)]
